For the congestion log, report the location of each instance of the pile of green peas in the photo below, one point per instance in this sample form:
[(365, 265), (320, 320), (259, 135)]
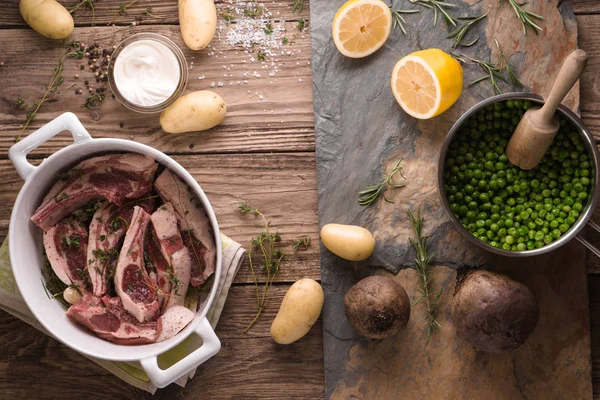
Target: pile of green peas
[(505, 206)]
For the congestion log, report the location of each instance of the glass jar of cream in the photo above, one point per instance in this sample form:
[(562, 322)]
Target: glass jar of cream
[(147, 72)]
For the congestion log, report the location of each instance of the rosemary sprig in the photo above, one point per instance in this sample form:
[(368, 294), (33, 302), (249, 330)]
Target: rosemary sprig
[(459, 33), (422, 260), (55, 81), (268, 247), (371, 193), (527, 18), (492, 70), (53, 286), (297, 5), (507, 66), (399, 20), (122, 8), (86, 4), (439, 8), (302, 243)]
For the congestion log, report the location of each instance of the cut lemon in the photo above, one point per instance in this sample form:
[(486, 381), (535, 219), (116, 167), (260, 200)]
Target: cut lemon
[(427, 83), (361, 27)]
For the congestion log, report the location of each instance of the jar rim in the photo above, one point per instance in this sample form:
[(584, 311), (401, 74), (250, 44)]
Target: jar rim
[(183, 72)]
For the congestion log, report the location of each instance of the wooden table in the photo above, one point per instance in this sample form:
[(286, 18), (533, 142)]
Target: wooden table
[(263, 154)]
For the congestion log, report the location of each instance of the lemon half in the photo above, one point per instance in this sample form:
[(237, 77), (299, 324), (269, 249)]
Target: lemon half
[(361, 27), (427, 83)]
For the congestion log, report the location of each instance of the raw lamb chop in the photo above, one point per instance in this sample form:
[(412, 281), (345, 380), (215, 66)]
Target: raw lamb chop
[(192, 219), (158, 268), (132, 283), (107, 318), (114, 177), (107, 228), (164, 224), (66, 244)]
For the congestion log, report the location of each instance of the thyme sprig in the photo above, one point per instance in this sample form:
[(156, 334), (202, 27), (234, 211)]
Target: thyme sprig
[(371, 193), (55, 81), (93, 99), (302, 243), (422, 260), (399, 20), (85, 4), (122, 8), (297, 5), (527, 18), (439, 8), (267, 248), (460, 32)]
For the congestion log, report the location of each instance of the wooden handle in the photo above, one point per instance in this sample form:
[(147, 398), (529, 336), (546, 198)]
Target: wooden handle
[(569, 74)]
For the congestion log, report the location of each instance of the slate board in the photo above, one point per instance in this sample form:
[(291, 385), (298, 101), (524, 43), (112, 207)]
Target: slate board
[(360, 133)]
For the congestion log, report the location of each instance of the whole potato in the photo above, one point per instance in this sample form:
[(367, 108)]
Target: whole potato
[(47, 17), (348, 241), (198, 20), (299, 310), (196, 111)]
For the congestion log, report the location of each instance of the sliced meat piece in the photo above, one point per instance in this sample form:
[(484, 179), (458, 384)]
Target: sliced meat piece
[(159, 267), (108, 319), (114, 177), (164, 224), (173, 321), (132, 283), (192, 219), (66, 247), (108, 226)]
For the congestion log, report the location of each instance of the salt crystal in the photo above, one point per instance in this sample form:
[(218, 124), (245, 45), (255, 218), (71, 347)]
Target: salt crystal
[(221, 84), (212, 84)]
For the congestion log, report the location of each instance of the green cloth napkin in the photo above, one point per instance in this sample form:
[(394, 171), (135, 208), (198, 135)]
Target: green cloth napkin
[(12, 302)]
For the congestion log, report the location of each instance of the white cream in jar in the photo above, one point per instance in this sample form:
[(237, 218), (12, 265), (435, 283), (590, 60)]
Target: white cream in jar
[(146, 73)]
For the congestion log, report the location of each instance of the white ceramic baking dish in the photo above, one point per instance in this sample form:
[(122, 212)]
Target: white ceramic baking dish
[(26, 251)]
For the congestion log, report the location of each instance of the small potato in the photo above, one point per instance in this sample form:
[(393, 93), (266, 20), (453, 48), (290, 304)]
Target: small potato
[(47, 17), (348, 241), (198, 20), (72, 295), (196, 111), (300, 309)]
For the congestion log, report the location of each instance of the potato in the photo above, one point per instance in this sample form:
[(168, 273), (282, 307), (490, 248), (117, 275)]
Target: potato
[(348, 241), (198, 20), (47, 17), (196, 111), (300, 309)]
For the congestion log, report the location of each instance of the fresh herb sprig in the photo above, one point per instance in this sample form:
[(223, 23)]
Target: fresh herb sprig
[(267, 248), (460, 32), (302, 243), (85, 4), (53, 286), (71, 242), (399, 20), (507, 66), (422, 260), (297, 5), (371, 193), (492, 71), (93, 99), (439, 7), (527, 18), (55, 81), (122, 8)]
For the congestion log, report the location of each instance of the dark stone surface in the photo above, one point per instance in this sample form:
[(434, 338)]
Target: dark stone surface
[(361, 131)]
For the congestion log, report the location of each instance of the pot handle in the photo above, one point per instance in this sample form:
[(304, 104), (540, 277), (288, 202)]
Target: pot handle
[(588, 244), (65, 122), (210, 346)]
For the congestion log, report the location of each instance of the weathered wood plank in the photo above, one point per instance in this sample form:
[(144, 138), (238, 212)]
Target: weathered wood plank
[(270, 113), (283, 186), (250, 364), (585, 6), (163, 12)]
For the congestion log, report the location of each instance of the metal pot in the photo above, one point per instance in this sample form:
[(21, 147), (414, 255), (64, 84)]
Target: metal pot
[(586, 212)]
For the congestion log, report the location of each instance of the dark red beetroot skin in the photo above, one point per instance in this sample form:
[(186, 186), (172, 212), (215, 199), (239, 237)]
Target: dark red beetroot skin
[(493, 312), (377, 307)]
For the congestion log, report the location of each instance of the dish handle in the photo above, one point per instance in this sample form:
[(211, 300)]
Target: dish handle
[(210, 346), (65, 122)]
